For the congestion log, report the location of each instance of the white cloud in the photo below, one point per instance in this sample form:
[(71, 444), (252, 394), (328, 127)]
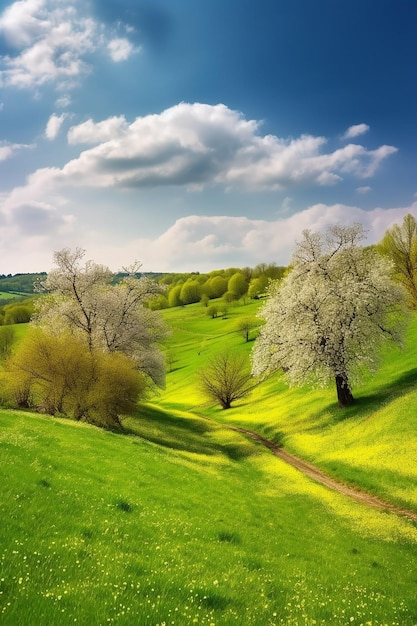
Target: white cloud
[(203, 243), (54, 126), (63, 102), (51, 40), (31, 230), (197, 144), (355, 131), (8, 150), (363, 190), (89, 132), (120, 49)]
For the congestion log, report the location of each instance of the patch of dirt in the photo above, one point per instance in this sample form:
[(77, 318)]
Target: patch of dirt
[(317, 475)]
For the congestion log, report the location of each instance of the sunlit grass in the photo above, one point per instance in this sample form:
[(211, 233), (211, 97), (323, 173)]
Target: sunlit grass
[(372, 444), (106, 528)]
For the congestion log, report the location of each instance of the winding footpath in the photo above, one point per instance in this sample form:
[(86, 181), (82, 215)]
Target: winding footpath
[(320, 477)]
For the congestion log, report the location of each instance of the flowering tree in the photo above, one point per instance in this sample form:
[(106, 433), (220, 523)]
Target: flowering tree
[(107, 317), (327, 319)]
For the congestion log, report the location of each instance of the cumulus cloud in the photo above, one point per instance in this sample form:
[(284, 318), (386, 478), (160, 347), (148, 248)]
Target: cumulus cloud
[(120, 49), (54, 126), (49, 41), (204, 243), (198, 144), (355, 131), (90, 132), (31, 230), (8, 150)]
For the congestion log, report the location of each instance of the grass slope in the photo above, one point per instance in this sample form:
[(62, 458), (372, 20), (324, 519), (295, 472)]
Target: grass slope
[(104, 528), (372, 444), (182, 521)]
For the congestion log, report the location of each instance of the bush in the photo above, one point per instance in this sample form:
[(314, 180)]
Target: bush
[(59, 375)]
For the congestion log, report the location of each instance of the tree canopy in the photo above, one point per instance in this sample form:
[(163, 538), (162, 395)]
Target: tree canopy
[(400, 245)]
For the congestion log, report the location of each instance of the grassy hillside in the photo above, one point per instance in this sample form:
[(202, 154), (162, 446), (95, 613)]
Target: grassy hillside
[(209, 528), (181, 521), (373, 443)]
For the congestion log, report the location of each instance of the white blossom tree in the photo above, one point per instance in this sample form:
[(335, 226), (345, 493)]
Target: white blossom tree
[(108, 317), (326, 320)]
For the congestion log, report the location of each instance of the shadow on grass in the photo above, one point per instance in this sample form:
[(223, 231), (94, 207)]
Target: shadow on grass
[(368, 404), (187, 434), (390, 391)]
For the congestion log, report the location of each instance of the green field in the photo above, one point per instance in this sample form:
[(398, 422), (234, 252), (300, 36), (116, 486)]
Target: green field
[(8, 295), (182, 521)]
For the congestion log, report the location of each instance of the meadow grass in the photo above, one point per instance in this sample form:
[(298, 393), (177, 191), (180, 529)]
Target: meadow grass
[(100, 528), (9, 295)]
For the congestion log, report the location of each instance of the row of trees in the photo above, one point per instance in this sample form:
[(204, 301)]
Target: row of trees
[(231, 284)]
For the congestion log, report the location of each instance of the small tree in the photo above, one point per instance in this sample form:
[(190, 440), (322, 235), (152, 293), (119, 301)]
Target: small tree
[(245, 325), (328, 317), (216, 286), (174, 296), (258, 286), (237, 285), (212, 311), (190, 291), (400, 245), (204, 300), (226, 378)]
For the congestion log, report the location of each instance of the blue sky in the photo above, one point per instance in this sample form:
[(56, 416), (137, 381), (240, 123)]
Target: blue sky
[(200, 134)]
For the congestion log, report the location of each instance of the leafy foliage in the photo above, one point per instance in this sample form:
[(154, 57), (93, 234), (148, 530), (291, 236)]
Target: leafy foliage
[(400, 245), (20, 283), (61, 375), (7, 338), (237, 285), (245, 325)]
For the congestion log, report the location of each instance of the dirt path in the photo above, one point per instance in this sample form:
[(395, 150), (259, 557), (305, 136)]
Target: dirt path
[(320, 477)]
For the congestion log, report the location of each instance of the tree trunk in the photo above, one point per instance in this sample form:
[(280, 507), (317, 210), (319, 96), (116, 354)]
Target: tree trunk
[(344, 394)]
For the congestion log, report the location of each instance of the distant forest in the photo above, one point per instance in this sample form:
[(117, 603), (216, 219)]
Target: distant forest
[(19, 283)]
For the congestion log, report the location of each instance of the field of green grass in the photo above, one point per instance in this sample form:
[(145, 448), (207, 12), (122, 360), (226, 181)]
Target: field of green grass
[(8, 295), (372, 444), (182, 521)]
